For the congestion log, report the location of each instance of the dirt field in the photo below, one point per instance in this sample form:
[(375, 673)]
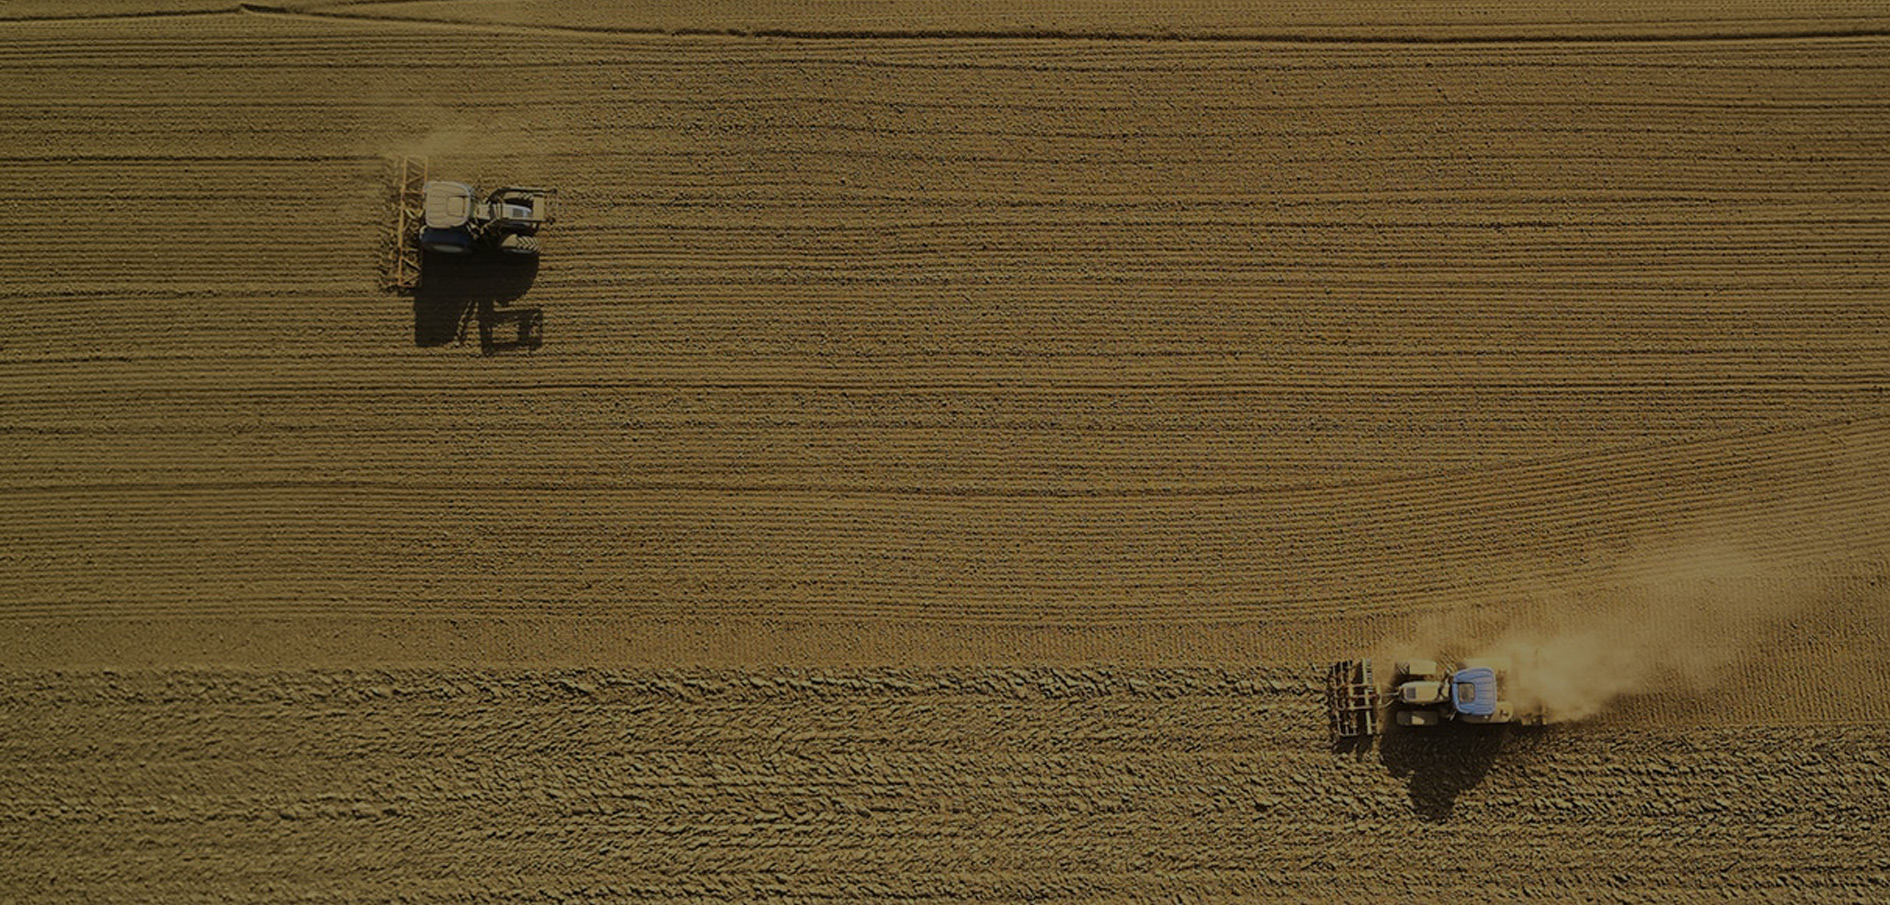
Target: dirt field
[(961, 436)]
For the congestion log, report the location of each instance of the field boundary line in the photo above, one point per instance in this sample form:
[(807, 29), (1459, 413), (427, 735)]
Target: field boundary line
[(1657, 31), (1783, 29)]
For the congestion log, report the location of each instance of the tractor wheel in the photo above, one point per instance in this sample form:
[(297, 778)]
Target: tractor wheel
[(519, 245), (1421, 717), (1500, 664)]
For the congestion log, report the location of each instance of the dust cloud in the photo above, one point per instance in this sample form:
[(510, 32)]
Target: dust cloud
[(1677, 621), (446, 139)]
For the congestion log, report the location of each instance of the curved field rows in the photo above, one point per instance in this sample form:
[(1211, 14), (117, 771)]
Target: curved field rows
[(1090, 334), (1788, 501)]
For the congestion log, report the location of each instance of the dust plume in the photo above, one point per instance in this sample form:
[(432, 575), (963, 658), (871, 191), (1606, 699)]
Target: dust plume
[(443, 140), (1679, 620)]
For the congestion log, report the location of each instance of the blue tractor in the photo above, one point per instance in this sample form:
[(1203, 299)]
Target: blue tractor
[(1427, 693), (1422, 693)]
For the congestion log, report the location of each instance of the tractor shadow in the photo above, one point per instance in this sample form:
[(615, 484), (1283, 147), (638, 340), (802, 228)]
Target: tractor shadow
[(461, 294), (1439, 765)]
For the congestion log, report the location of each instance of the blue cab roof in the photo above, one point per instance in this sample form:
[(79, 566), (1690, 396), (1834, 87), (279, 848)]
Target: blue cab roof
[(1473, 691)]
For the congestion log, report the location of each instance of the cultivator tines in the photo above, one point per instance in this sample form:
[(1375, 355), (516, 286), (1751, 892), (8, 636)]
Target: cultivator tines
[(401, 269), (1351, 700)]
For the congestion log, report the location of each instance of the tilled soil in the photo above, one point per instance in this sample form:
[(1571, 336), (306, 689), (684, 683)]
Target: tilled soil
[(956, 443), (890, 784)]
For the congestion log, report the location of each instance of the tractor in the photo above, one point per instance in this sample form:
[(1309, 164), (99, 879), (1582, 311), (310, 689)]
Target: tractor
[(449, 218), (507, 221), (1421, 693), (1426, 693)]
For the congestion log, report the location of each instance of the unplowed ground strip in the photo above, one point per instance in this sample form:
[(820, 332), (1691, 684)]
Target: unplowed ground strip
[(947, 351)]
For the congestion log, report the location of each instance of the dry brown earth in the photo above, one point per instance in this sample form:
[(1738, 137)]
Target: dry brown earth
[(937, 785), (952, 453)]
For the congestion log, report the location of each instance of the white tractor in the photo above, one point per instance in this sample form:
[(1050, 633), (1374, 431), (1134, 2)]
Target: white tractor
[(508, 220)]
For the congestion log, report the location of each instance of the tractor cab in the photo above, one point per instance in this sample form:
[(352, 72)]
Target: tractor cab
[(449, 209), (1473, 691)]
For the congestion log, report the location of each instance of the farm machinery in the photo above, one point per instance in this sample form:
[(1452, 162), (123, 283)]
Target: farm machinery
[(452, 218), (496, 238), (457, 222), (1420, 693)]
